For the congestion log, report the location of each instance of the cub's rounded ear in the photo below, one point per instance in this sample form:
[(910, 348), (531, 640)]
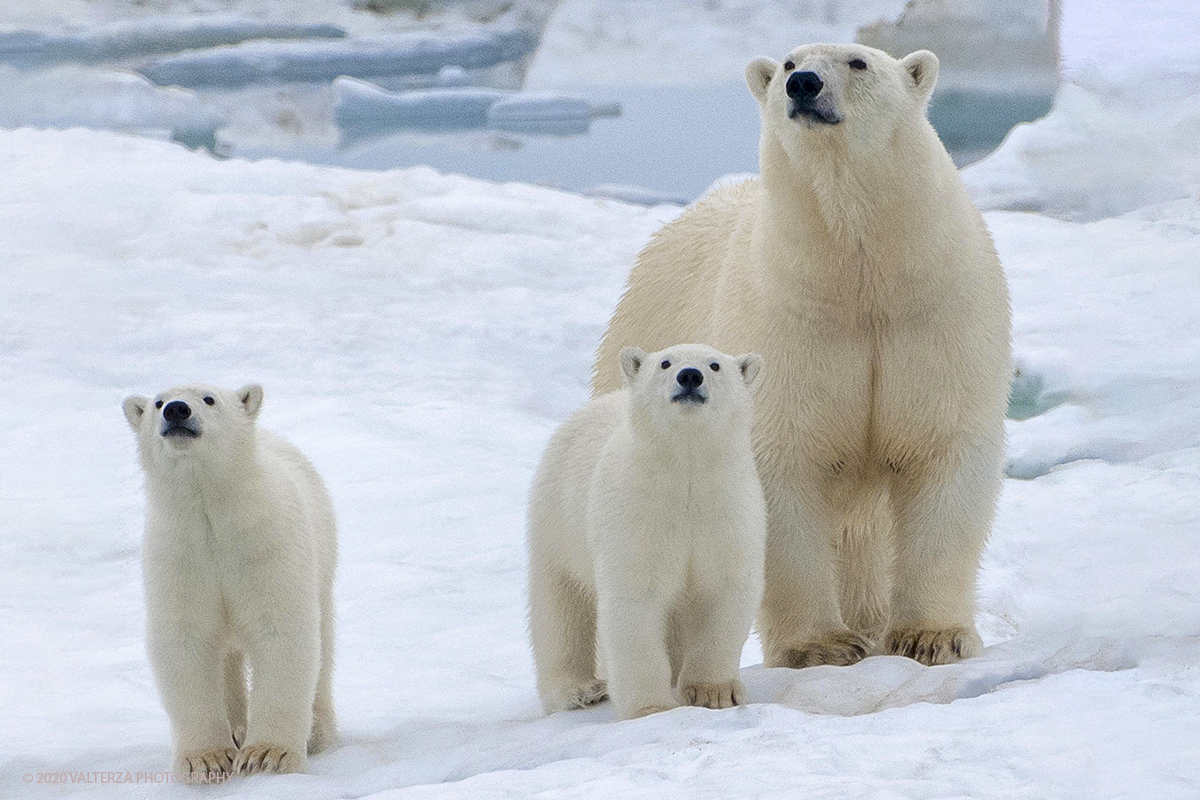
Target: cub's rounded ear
[(750, 365), (135, 408), (758, 76), (922, 70), (632, 359), (251, 398)]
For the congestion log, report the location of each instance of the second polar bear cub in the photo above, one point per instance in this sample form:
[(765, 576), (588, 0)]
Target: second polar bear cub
[(647, 529), (238, 559)]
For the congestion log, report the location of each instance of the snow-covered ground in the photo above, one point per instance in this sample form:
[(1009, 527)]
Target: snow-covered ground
[(420, 336)]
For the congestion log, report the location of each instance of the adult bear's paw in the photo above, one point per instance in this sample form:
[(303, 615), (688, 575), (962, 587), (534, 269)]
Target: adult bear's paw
[(930, 647), (839, 648), (714, 695)]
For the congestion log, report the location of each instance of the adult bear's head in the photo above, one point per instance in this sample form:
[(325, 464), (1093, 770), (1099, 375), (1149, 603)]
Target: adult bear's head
[(846, 95)]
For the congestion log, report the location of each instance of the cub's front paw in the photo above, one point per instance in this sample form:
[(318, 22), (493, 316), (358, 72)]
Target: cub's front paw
[(714, 695), (568, 696), (930, 647), (586, 694), (257, 758), (839, 648), (202, 766)]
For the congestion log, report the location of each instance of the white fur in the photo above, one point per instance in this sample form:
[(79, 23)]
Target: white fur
[(858, 266), (239, 556), (647, 526)]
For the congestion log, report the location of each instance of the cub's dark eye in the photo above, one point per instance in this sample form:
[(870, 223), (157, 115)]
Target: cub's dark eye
[(715, 367), (158, 404), (209, 400), (857, 63), (665, 364), (788, 66)]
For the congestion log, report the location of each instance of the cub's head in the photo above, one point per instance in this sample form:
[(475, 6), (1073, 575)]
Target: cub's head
[(194, 421), (690, 384), (851, 92)]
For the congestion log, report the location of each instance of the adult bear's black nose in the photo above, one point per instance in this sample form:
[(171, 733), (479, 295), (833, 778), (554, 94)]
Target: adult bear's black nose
[(689, 378), (804, 85), (176, 411)]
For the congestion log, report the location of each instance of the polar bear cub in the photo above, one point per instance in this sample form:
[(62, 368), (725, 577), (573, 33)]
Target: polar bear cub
[(239, 555), (647, 529)]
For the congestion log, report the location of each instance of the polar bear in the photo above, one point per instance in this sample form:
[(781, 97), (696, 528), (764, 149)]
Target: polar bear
[(858, 266), (647, 529), (238, 559)]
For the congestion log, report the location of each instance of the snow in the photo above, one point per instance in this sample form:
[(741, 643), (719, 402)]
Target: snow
[(28, 48), (420, 336), (1104, 149), (413, 53)]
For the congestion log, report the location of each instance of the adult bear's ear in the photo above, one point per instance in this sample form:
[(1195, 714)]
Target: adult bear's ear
[(922, 70), (251, 398), (632, 359), (758, 76), (135, 408), (750, 365)]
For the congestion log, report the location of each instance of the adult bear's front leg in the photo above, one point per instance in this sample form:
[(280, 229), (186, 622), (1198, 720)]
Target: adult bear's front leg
[(800, 621), (943, 514)]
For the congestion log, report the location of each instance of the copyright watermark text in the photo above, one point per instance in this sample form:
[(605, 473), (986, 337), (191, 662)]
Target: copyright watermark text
[(96, 777)]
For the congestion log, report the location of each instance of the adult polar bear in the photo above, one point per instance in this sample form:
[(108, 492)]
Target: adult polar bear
[(859, 268)]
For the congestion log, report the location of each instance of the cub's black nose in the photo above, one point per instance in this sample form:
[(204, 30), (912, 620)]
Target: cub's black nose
[(804, 85), (689, 378), (176, 411)]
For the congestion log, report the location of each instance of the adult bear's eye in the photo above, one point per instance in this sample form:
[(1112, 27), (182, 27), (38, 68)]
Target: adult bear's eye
[(158, 404), (666, 364), (857, 63), (715, 367), (788, 66), (208, 399)]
